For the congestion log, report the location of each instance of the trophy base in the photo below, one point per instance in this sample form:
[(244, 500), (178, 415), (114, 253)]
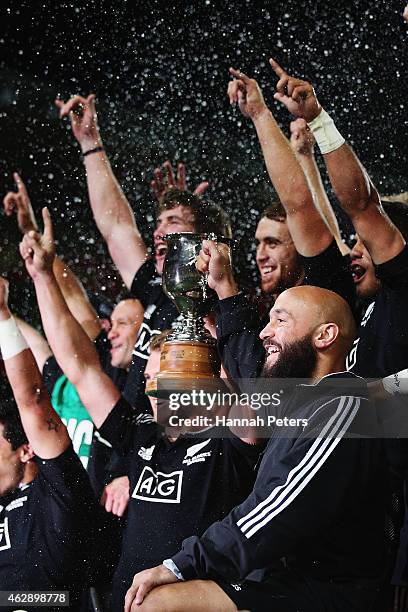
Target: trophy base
[(188, 365)]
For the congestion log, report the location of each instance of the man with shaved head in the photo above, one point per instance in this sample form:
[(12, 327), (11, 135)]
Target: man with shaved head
[(310, 537)]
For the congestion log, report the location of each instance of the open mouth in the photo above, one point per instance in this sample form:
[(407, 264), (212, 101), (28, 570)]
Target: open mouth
[(271, 348), (357, 272), (161, 250), (267, 271)]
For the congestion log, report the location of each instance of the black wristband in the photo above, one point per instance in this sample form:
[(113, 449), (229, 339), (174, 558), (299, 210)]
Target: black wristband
[(90, 151)]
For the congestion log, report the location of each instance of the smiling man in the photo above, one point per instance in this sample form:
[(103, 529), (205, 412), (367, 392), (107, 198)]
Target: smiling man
[(126, 319), (310, 537), (278, 262)]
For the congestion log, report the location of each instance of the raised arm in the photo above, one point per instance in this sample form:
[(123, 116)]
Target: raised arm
[(46, 433), (309, 232), (349, 179), (73, 350), (112, 212), (36, 342), (303, 142), (18, 202), (77, 299)]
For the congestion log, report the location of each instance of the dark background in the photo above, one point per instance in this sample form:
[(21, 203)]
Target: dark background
[(160, 72)]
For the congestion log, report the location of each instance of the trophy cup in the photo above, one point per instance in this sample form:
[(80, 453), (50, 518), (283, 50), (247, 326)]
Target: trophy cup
[(189, 356)]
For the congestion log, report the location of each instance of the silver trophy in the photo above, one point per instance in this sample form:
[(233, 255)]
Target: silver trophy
[(187, 287)]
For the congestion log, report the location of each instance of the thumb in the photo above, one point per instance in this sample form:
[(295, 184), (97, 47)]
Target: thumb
[(91, 100), (48, 233)]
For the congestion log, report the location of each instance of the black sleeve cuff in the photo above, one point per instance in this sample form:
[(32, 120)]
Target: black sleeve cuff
[(181, 561), (118, 426)]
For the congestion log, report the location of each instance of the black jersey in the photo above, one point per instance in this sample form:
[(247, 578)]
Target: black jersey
[(238, 323), (381, 347), (176, 488), (160, 312), (46, 529)]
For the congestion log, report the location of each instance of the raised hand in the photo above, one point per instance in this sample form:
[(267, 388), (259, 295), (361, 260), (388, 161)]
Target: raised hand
[(82, 114), (19, 202), (38, 251), (298, 96), (162, 182), (301, 138), (247, 94), (405, 15), (214, 260)]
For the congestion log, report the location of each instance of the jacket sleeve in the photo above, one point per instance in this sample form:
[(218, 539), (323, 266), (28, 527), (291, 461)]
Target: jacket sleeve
[(240, 348), (293, 500)]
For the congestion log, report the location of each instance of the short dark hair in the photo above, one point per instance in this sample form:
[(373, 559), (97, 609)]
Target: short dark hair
[(10, 417), (275, 211), (398, 213), (208, 216)]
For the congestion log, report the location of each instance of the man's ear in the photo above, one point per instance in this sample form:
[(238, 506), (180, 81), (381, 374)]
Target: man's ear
[(325, 335), (26, 453)]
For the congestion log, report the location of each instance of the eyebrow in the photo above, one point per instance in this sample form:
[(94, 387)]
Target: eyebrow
[(281, 311), (171, 218)]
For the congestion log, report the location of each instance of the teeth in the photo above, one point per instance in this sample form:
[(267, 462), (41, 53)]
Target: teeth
[(272, 349), (267, 270)]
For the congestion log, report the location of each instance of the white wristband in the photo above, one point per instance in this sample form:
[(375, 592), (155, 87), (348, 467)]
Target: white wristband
[(396, 383), (12, 342), (327, 135)]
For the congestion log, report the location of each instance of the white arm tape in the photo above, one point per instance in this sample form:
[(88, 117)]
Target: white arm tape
[(327, 135), (396, 383), (12, 342)]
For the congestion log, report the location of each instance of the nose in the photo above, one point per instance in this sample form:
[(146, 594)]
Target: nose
[(112, 332), (357, 250), (159, 231), (261, 253), (268, 331)]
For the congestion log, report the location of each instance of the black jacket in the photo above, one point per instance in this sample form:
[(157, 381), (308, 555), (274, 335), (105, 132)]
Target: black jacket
[(318, 501)]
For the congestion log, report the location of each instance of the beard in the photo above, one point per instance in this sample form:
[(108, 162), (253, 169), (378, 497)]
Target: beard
[(296, 360)]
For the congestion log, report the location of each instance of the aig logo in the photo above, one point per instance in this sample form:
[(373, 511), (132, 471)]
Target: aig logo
[(159, 487)]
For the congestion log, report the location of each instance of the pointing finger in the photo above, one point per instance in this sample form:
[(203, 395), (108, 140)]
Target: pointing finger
[(48, 233), (280, 72), (20, 184)]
